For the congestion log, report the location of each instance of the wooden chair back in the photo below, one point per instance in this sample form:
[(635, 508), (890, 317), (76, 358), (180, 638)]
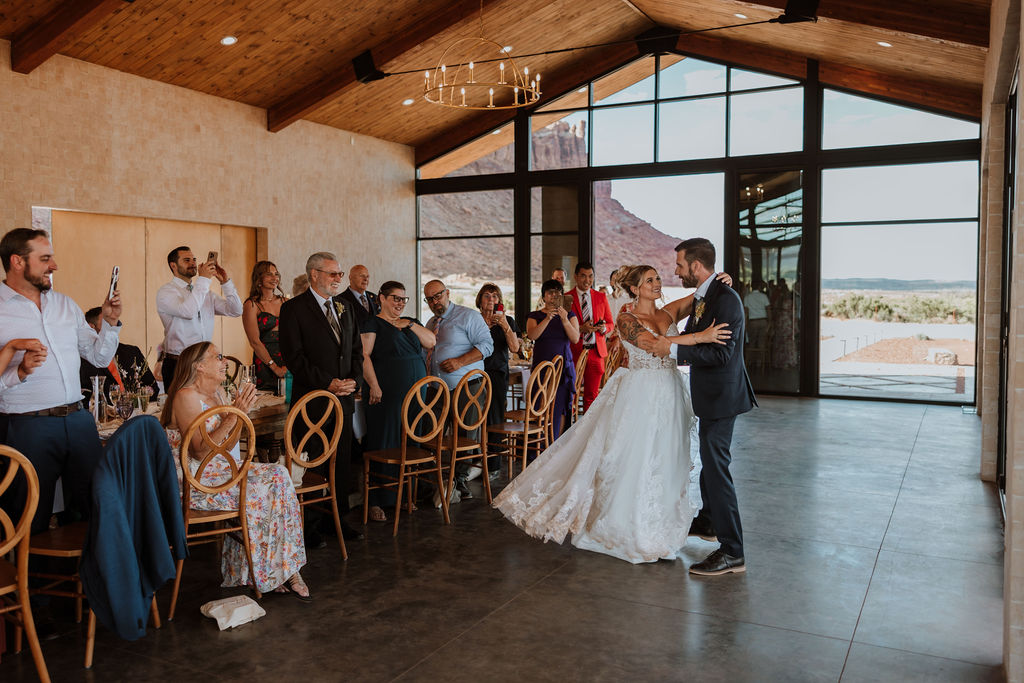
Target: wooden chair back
[(581, 366), (14, 532), (430, 399), (465, 399), (237, 472), (332, 407), (612, 363), (234, 365), (540, 391)]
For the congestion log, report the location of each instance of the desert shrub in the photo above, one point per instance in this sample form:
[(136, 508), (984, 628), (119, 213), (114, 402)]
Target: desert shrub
[(944, 307)]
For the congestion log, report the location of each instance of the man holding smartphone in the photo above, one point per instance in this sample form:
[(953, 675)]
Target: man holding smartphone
[(187, 308), (591, 307)]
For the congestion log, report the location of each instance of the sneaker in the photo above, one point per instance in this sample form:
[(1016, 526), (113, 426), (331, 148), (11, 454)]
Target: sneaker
[(474, 472), (463, 489)]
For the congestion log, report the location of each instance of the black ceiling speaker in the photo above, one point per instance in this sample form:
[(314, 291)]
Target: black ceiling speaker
[(365, 69), (797, 11), (657, 40)]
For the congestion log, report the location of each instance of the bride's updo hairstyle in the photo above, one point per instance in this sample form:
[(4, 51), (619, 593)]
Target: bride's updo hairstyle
[(632, 278), (616, 280)]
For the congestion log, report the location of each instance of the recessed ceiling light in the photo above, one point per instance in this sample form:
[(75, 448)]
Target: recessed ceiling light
[(408, 102), (884, 44), (228, 40), (740, 16), (582, 90), (507, 48), (496, 132)]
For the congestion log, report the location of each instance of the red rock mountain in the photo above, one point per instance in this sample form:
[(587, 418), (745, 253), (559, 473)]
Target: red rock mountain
[(620, 236)]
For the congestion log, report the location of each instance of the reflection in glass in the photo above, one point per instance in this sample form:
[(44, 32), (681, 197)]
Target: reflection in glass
[(766, 122), (895, 324), (554, 222), (905, 192), (488, 212), (624, 135), (854, 121), (558, 140), (464, 265), (491, 153), (741, 79), (577, 99), (632, 83), (691, 129), (769, 278), (688, 76)]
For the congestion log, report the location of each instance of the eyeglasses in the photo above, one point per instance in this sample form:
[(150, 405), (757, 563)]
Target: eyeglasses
[(399, 299), (331, 273), (218, 356), (434, 297)]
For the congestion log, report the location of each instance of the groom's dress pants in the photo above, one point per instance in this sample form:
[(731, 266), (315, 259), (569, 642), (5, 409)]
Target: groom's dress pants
[(716, 487)]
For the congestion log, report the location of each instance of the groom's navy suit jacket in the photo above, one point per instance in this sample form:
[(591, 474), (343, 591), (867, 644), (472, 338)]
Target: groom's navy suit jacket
[(718, 378)]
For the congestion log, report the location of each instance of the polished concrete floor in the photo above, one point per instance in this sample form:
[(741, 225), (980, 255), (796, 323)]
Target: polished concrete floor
[(874, 553)]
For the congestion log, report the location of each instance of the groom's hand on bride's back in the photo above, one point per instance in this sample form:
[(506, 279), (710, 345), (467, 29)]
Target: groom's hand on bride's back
[(658, 346)]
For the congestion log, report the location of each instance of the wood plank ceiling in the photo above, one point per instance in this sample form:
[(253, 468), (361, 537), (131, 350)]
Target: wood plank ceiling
[(295, 59)]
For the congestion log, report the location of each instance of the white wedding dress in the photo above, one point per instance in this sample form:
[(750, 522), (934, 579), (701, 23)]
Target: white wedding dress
[(623, 480)]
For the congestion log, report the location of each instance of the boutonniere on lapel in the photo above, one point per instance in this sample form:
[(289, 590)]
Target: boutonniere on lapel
[(339, 308), (698, 311)]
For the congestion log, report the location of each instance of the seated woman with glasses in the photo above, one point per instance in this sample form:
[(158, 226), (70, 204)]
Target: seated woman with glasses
[(392, 362), (271, 508)]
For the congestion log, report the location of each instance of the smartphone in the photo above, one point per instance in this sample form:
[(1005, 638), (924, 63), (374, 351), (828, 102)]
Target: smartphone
[(499, 307), (211, 257), (114, 274), (567, 302)]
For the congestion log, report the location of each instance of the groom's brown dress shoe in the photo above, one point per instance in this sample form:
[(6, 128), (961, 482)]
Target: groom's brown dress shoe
[(702, 529), (718, 563)]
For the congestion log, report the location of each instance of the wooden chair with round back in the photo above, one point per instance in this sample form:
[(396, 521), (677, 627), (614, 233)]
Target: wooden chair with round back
[(316, 490), (616, 357), (467, 402), (577, 400), (14, 536), (530, 432), (233, 367), (555, 379), (209, 526), (424, 416)]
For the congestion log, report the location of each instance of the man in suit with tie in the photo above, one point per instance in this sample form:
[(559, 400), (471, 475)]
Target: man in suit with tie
[(591, 307), (365, 303), (321, 346), (721, 390)]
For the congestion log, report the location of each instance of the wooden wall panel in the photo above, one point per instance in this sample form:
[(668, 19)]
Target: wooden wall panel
[(86, 247), (238, 256)]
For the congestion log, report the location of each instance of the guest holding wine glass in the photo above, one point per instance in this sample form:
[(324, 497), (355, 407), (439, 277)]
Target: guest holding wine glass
[(505, 334), (392, 362), (271, 507), (260, 318), (553, 330)]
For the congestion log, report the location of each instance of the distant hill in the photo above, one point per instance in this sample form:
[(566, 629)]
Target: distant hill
[(620, 237), (891, 285)]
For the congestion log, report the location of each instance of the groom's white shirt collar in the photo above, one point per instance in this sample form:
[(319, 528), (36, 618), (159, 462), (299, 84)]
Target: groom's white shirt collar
[(702, 291)]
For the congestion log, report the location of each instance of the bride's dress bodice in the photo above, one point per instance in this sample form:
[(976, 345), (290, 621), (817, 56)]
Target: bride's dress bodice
[(642, 360)]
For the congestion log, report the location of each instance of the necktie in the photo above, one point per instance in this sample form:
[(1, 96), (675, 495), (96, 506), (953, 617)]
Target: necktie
[(188, 287), (199, 313), (332, 321), (430, 354), (364, 302), (116, 373), (587, 317)]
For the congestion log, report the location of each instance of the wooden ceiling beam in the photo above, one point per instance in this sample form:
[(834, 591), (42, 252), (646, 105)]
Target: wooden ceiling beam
[(929, 94), (56, 30), (955, 21), (591, 64), (302, 103)]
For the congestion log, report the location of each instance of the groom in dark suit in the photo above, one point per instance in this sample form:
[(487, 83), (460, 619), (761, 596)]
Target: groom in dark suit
[(721, 390), (321, 346)]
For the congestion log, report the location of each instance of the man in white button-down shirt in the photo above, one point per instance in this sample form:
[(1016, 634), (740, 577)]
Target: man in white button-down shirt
[(186, 308), (43, 412)]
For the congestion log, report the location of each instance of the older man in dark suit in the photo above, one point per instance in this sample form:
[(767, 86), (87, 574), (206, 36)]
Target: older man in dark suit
[(365, 303), (321, 346), (721, 390)]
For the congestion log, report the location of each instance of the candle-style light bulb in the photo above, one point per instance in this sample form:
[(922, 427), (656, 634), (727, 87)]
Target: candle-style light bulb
[(490, 92), (426, 81), (501, 66), (471, 72), (463, 96), (444, 78), (515, 95)]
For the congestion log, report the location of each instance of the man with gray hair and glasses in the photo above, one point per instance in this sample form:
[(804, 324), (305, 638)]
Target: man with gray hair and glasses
[(321, 347)]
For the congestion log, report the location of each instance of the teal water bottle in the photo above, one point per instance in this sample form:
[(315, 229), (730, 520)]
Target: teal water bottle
[(288, 387)]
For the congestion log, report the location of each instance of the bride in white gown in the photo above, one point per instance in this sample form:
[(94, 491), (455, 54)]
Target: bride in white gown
[(624, 480)]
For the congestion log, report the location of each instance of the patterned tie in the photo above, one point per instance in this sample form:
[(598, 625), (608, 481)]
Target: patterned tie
[(333, 321), (199, 313), (585, 304), (364, 302), (430, 353)]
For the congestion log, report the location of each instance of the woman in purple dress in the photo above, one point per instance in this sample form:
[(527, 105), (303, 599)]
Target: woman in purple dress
[(553, 329)]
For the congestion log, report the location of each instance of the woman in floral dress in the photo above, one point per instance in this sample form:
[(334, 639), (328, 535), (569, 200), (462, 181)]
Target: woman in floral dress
[(271, 507)]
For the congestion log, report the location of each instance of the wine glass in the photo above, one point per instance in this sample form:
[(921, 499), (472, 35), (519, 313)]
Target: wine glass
[(125, 405)]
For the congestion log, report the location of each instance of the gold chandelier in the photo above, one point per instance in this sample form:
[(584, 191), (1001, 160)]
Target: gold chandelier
[(478, 73)]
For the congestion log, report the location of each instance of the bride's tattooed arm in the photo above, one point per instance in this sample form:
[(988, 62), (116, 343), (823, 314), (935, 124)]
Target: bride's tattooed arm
[(631, 330)]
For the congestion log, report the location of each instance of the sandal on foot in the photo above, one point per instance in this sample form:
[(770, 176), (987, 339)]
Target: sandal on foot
[(295, 584), (377, 514)]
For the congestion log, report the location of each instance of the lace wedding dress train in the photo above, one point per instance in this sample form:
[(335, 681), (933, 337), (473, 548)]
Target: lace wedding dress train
[(623, 480)]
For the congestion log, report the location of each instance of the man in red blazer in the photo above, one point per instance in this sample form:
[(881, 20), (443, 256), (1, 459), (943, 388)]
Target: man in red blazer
[(591, 307)]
